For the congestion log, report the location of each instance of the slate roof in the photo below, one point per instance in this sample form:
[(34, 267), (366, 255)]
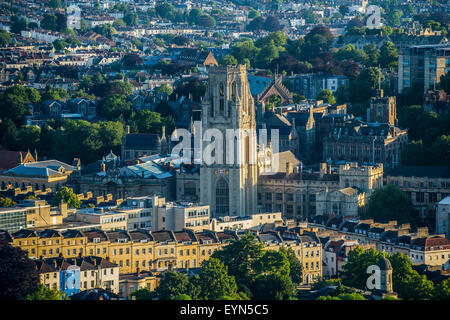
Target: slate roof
[(431, 243), (269, 236), (10, 159), (206, 236), (117, 234), (141, 141), (41, 168), (140, 235), (92, 234), (225, 236), (149, 170), (257, 83), (162, 236), (418, 171), (183, 236)]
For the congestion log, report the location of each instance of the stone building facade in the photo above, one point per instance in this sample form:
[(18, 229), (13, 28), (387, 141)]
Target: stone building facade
[(382, 109), (365, 143), (230, 189), (295, 194)]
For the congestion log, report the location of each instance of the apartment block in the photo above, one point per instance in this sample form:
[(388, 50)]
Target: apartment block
[(422, 65)]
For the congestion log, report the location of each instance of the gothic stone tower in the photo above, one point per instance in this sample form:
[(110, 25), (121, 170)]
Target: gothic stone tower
[(229, 187)]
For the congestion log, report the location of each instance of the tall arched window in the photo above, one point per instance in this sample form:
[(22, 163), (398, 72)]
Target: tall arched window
[(222, 198)]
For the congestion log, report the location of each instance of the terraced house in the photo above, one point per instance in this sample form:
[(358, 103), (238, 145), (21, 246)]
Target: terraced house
[(306, 246), (143, 250), (146, 250)]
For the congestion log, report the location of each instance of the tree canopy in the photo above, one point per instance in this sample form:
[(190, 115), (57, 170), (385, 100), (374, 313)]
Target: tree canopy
[(18, 275), (389, 203)]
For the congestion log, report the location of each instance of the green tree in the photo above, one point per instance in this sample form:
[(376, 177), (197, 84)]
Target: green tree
[(445, 82), (273, 286), (119, 23), (29, 137), (214, 281), (350, 52), (18, 24), (18, 274), (143, 294), (245, 50), (172, 285), (388, 55), (164, 88), (364, 86), (49, 22), (55, 4), (295, 265), (354, 272), (6, 202), (228, 60), (418, 288), (415, 153), (106, 30), (344, 296), (389, 203), (86, 83), (373, 55), (393, 19), (14, 104), (131, 19), (182, 297), (442, 290), (314, 45), (41, 292), (5, 38), (146, 121), (115, 106), (33, 95), (165, 10), (342, 94), (239, 257), (326, 96), (68, 196), (310, 17), (252, 13), (8, 133), (326, 298), (272, 262), (55, 94), (440, 152), (297, 98), (267, 53), (277, 38)]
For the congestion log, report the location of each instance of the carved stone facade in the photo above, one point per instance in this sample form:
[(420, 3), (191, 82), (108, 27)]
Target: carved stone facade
[(230, 189)]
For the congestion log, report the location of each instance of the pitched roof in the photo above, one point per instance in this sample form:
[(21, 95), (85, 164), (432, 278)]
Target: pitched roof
[(163, 235), (418, 171), (10, 159), (141, 140)]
